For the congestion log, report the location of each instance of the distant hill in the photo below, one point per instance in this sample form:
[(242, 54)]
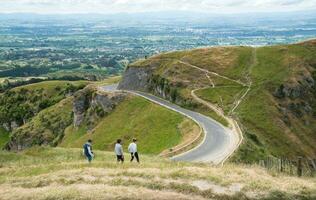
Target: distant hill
[(270, 90)]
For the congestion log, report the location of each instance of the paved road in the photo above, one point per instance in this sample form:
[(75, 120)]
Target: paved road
[(218, 141)]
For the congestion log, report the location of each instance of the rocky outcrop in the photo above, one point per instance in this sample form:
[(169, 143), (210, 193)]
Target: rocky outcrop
[(89, 104), (296, 98), (144, 79), (136, 78), (81, 104), (294, 91)]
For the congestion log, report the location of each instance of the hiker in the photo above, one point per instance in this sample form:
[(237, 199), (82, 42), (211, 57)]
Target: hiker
[(87, 150), (132, 148), (119, 151)]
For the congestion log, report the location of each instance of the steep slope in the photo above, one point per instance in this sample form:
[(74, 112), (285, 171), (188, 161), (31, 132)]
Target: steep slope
[(269, 90), (46, 128)]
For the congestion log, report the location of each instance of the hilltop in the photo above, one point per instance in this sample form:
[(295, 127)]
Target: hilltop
[(270, 91)]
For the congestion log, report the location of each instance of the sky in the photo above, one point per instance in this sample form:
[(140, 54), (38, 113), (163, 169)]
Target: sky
[(134, 6)]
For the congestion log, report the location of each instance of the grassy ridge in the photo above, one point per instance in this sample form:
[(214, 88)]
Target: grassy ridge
[(50, 86), (48, 126), (57, 173)]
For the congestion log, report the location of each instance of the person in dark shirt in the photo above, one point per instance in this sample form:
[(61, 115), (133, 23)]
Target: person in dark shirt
[(87, 150)]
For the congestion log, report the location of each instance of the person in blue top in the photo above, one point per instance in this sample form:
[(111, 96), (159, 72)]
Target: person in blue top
[(87, 150)]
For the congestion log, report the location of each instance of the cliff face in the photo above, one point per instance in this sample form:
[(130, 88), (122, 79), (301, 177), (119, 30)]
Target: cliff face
[(136, 78), (144, 79), (89, 105)]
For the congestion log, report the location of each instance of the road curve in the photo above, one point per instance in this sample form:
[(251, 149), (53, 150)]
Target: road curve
[(218, 143)]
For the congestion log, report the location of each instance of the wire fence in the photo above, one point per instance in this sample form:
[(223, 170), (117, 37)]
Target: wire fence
[(296, 167)]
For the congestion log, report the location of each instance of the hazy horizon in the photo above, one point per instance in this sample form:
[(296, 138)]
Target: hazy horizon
[(141, 6)]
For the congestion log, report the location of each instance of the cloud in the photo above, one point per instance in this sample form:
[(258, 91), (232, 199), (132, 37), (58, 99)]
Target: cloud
[(114, 6)]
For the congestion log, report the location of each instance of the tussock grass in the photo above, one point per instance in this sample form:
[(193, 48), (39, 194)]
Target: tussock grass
[(57, 173)]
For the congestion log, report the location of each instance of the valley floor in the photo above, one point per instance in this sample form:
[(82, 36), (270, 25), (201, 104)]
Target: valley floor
[(57, 173)]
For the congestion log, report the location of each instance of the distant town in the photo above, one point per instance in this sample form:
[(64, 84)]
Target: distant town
[(94, 47)]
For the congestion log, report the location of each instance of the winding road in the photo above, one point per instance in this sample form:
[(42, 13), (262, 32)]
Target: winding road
[(218, 144)]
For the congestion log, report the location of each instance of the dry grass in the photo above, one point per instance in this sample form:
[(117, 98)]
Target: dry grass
[(45, 173)]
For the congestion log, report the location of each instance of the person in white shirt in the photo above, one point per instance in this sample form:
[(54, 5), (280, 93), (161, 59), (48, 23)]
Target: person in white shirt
[(132, 148), (119, 151)]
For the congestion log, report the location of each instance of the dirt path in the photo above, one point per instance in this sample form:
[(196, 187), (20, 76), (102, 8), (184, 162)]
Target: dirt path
[(248, 76), (213, 73)]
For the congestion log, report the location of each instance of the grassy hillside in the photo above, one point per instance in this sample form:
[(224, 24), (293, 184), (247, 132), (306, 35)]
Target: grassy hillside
[(21, 106), (46, 128), (284, 124), (56, 173), (270, 90), (156, 128)]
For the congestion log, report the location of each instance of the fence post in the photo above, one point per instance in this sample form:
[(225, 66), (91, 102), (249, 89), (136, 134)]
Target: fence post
[(299, 166), (291, 167), (282, 165), (261, 163)]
